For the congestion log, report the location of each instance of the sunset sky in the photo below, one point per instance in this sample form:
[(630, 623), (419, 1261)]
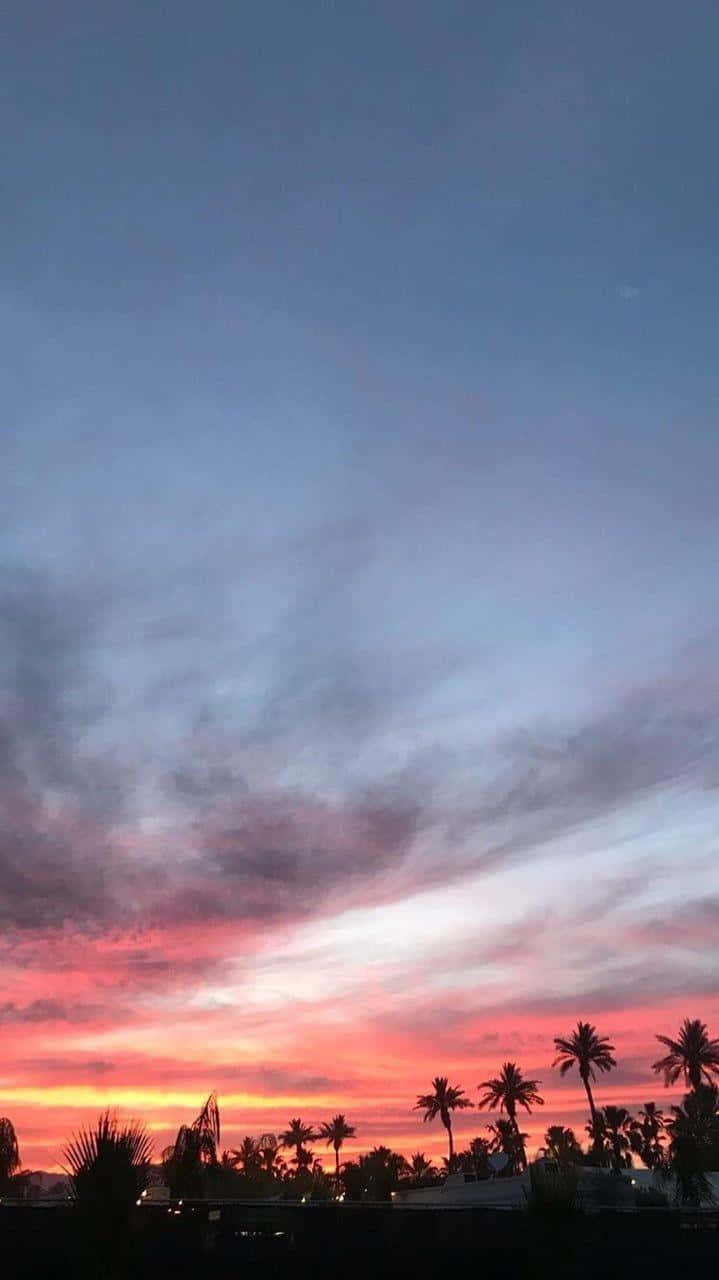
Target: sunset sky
[(359, 605)]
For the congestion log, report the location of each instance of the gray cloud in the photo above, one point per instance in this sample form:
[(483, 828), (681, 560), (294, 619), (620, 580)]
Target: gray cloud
[(51, 694), (693, 926), (285, 854), (70, 1066), (49, 1011), (57, 799), (545, 782), (248, 844)]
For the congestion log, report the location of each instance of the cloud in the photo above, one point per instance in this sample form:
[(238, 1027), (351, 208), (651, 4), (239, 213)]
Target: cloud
[(283, 855), (693, 926), (58, 799), (51, 695), (49, 1010), (70, 1067), (243, 838), (543, 782)]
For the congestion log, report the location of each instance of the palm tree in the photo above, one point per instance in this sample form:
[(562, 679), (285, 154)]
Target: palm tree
[(694, 1144), (560, 1144), (268, 1149), (618, 1126), (9, 1150), (108, 1167), (587, 1051), (598, 1151), (510, 1090), (445, 1099), (295, 1138), (421, 1168), (646, 1136), (321, 1184), (478, 1157), (335, 1131), (382, 1169), (692, 1055), (246, 1157), (475, 1159), (507, 1140), (195, 1148)]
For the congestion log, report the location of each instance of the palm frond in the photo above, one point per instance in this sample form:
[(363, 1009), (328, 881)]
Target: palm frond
[(108, 1162)]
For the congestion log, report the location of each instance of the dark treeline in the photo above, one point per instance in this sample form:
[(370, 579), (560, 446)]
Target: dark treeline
[(111, 1163)]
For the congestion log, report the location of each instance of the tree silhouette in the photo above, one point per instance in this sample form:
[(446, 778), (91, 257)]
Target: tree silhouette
[(560, 1144), (353, 1180), (207, 1124), (508, 1091), (694, 1144), (589, 1053), (693, 1054), (268, 1148), (505, 1139), (9, 1151), (421, 1168), (445, 1099), (617, 1130), (108, 1167), (295, 1138), (381, 1169), (336, 1131), (246, 1157), (647, 1134), (195, 1148), (478, 1161)]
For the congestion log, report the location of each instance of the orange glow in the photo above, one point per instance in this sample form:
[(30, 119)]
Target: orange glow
[(156, 1052)]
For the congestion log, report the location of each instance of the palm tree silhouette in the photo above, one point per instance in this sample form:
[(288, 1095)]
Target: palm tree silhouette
[(694, 1144), (268, 1149), (445, 1099), (646, 1135), (510, 1090), (507, 1140), (108, 1166), (9, 1150), (336, 1131), (587, 1051), (561, 1145), (195, 1148), (246, 1157), (478, 1153), (381, 1169), (295, 1138), (692, 1055), (618, 1127), (420, 1167)]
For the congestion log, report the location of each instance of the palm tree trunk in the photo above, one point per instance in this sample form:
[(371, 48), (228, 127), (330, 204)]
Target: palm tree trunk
[(337, 1168), (592, 1108), (512, 1113), (448, 1126), (592, 1113), (590, 1099)]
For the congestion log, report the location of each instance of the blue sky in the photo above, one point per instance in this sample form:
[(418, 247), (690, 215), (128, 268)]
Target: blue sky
[(359, 514)]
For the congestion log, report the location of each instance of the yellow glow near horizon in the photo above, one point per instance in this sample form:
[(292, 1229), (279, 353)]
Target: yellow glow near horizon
[(156, 1099)]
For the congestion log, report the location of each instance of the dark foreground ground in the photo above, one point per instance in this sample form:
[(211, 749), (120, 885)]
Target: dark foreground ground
[(220, 1241)]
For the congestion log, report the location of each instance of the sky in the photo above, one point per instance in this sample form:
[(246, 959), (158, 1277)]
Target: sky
[(359, 707)]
